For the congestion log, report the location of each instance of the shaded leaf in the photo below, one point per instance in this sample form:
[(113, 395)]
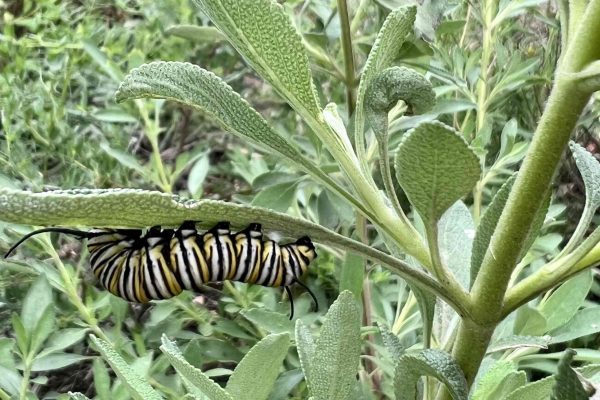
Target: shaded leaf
[(567, 385), (435, 363), (195, 33), (305, 344), (38, 297), (518, 342), (392, 343), (56, 361), (501, 378), (584, 322)]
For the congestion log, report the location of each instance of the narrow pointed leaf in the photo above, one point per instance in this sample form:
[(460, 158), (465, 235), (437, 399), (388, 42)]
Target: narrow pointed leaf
[(195, 376), (136, 385), (489, 220), (564, 302), (392, 343), (337, 351), (37, 299), (501, 378), (429, 362), (397, 28), (255, 375), (435, 167), (567, 385), (262, 32), (305, 344)]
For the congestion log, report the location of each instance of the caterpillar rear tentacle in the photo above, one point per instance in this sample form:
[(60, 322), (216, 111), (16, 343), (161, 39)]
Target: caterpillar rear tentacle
[(163, 262)]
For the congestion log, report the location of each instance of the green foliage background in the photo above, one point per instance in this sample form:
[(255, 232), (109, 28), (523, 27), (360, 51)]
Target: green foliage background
[(62, 63)]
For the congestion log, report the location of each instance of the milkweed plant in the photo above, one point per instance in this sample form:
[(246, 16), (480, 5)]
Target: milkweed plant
[(468, 267)]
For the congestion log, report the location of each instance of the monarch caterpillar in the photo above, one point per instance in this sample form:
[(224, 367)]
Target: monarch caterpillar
[(163, 262)]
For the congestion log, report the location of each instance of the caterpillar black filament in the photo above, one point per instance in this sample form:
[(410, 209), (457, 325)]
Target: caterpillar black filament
[(163, 262)]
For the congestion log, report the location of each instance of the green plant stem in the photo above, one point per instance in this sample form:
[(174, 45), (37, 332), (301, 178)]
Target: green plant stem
[(25, 380), (443, 274), (565, 104), (359, 15), (4, 395), (386, 176), (348, 55), (71, 291)]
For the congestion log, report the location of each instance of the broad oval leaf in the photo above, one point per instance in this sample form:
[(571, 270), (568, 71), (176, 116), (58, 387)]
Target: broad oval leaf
[(195, 376), (585, 322), (262, 32), (501, 379), (136, 385), (435, 167), (435, 363), (337, 351), (255, 375)]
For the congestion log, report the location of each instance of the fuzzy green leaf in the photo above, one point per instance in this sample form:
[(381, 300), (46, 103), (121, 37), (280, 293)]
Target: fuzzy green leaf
[(195, 87), (435, 167), (389, 87), (501, 379), (517, 342), (305, 345), (397, 28), (583, 323), (337, 351), (136, 385), (456, 231), (352, 275), (392, 343), (255, 375), (195, 376), (564, 302), (197, 34), (567, 385), (38, 297), (429, 362), (489, 220), (538, 390), (262, 32)]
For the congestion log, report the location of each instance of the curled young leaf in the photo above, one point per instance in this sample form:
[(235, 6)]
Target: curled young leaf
[(391, 86)]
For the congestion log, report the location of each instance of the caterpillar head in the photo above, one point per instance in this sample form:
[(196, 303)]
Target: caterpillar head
[(306, 247)]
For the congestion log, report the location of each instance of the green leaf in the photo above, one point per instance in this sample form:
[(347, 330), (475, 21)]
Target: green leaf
[(139, 209), (389, 87), (305, 345), (435, 167), (392, 343), (538, 390), (489, 220), (10, 380), (191, 373), (62, 339), (38, 297), (78, 396), (114, 115), (262, 32), (255, 375), (271, 321), (501, 379), (195, 87), (126, 160), (278, 197), (197, 34), (564, 302), (518, 341), (109, 67), (136, 385), (337, 351), (43, 329), (583, 323), (397, 28), (352, 275), (101, 379), (56, 361), (435, 363), (198, 174), (530, 322), (21, 334), (456, 231), (589, 168), (567, 385)]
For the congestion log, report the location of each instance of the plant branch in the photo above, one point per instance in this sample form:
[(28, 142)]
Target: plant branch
[(348, 55), (565, 104)]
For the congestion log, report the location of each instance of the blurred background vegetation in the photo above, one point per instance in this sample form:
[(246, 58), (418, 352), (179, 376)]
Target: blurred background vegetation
[(60, 127)]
